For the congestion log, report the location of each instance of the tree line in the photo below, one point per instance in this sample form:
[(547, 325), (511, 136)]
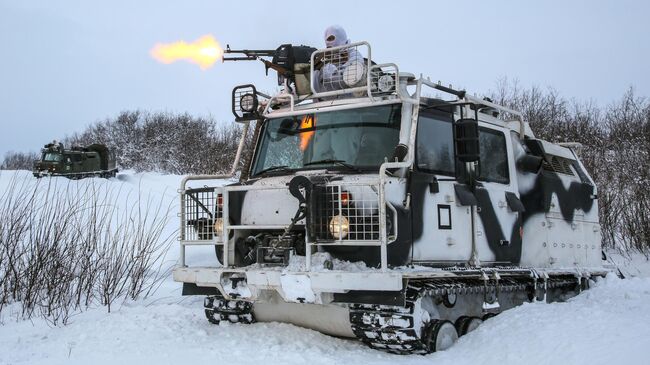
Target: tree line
[(615, 148)]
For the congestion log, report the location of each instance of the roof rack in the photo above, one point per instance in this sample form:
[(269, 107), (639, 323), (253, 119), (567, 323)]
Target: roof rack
[(348, 75)]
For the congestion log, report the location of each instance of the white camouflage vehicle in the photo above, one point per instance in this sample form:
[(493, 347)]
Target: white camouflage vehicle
[(371, 211)]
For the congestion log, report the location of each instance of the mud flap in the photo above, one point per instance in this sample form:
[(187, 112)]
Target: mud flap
[(193, 289)]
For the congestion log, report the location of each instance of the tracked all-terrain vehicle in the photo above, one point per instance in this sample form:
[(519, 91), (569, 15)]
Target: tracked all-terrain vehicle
[(371, 211), (94, 160)]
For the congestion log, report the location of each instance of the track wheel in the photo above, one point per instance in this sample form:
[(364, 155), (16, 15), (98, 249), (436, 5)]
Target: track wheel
[(470, 325), (465, 324), (460, 323), (440, 335)]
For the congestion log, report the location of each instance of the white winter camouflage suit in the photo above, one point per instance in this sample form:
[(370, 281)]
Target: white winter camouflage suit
[(330, 77)]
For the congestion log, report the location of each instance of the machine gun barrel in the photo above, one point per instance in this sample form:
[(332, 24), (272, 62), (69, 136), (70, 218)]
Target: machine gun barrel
[(256, 54), (249, 54)]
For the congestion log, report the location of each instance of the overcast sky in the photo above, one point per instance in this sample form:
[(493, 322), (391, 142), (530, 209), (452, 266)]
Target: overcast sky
[(65, 64)]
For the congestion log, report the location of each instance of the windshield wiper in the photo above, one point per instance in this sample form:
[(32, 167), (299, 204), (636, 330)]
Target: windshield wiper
[(282, 168), (332, 161)]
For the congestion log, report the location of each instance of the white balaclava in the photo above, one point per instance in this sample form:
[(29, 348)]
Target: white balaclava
[(335, 36)]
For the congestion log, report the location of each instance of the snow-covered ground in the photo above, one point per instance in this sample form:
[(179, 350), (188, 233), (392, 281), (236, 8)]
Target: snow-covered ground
[(605, 325), (631, 265)]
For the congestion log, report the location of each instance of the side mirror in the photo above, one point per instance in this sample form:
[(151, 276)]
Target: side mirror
[(529, 163), (400, 152), (466, 140)]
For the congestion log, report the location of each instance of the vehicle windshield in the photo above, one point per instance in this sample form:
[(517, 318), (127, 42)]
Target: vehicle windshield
[(354, 139), (52, 157)]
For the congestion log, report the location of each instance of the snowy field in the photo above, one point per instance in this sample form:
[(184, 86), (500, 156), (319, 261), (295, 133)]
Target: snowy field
[(608, 324)]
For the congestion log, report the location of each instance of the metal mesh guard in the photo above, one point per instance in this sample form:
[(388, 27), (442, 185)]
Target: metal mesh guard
[(200, 214), (361, 212), (341, 68), (237, 95), (383, 79)]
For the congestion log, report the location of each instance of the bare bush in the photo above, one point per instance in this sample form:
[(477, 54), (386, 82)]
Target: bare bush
[(18, 161), (165, 142), (616, 151), (63, 249)]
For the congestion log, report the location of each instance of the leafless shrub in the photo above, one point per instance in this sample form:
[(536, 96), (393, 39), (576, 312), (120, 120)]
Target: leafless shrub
[(18, 160), (165, 142), (63, 249), (616, 152)]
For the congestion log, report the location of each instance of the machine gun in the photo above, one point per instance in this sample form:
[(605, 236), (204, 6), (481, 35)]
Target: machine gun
[(289, 61), (256, 54)]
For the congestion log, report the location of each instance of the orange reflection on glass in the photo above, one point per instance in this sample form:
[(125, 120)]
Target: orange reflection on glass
[(305, 137)]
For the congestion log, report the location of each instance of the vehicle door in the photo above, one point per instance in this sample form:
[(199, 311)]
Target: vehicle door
[(499, 210), (441, 226), (77, 162), (67, 163)]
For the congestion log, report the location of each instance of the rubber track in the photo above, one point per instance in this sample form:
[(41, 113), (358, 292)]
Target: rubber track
[(218, 309), (392, 328)]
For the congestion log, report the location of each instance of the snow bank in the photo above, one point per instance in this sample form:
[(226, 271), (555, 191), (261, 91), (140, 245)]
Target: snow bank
[(605, 325)]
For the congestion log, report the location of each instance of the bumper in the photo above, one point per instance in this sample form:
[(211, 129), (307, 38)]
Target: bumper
[(319, 287), (296, 287), (41, 173)]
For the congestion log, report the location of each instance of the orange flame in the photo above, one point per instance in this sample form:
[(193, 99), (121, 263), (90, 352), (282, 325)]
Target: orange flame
[(204, 52), (305, 137)]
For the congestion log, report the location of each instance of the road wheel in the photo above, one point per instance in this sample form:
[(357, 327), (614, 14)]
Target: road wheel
[(460, 323), (440, 335), (470, 325)]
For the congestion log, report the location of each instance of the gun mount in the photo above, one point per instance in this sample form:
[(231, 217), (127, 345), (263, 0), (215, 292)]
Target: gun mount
[(289, 61)]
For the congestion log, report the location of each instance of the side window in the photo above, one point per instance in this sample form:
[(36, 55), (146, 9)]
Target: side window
[(493, 156), (435, 145)]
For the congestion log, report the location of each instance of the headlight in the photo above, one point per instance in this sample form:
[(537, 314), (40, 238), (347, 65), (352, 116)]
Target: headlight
[(386, 83), (247, 103), (339, 226), (353, 73), (218, 227)]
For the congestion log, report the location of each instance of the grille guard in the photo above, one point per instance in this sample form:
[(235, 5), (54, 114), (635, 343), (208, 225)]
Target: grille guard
[(364, 209)]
